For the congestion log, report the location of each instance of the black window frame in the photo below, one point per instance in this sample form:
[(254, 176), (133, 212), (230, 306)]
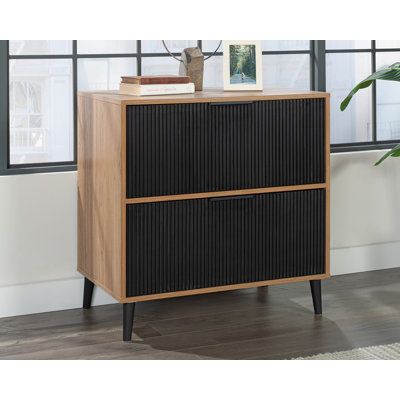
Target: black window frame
[(374, 144), (316, 51)]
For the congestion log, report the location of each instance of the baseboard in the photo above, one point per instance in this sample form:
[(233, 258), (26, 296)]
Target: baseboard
[(67, 293), (365, 258), (47, 296)]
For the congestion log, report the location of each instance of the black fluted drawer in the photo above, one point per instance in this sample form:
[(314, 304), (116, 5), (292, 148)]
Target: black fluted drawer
[(204, 147), (191, 244)]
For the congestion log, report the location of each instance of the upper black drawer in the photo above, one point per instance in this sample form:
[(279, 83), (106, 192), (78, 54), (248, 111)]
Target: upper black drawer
[(204, 147)]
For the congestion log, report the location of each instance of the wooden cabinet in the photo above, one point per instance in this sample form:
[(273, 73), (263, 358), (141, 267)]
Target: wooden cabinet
[(190, 194)]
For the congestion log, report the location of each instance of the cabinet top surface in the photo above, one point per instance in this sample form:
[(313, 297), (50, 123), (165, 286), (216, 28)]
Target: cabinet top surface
[(207, 95)]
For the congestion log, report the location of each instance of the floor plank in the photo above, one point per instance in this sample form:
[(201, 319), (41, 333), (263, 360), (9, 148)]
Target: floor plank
[(267, 323)]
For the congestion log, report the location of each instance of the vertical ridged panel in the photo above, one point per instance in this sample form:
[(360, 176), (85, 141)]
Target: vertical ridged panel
[(166, 145), (192, 148), (191, 244)]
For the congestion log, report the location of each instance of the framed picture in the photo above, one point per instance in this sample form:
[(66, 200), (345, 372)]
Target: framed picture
[(242, 65)]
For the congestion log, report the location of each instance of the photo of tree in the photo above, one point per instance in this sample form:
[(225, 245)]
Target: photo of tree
[(242, 62)]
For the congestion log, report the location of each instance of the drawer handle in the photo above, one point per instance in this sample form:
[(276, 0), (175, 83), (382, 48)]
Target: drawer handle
[(230, 103), (226, 198)]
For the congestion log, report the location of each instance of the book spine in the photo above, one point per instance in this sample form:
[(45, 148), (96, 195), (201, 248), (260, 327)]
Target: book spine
[(156, 81), (148, 90), (125, 89)]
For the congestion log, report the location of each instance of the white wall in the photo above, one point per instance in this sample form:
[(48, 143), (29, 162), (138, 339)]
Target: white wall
[(38, 244), (38, 231), (365, 212)]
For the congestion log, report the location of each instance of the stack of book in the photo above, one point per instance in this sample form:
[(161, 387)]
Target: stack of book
[(155, 85)]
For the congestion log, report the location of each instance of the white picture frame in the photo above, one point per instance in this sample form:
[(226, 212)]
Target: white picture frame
[(242, 71)]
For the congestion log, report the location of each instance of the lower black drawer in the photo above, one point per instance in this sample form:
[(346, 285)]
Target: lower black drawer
[(191, 244)]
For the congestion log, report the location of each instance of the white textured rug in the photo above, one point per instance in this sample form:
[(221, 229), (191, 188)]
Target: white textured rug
[(384, 352)]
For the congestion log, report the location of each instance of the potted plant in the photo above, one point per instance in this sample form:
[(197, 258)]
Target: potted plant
[(390, 73)]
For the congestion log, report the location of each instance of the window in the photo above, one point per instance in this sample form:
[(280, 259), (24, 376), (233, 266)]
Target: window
[(372, 118), (343, 72), (39, 80), (41, 111), (387, 100), (38, 118)]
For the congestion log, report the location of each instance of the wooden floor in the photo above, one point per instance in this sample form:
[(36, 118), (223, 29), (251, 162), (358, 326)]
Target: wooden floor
[(275, 323)]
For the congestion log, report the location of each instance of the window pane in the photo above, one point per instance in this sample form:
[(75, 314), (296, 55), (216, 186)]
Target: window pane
[(388, 44), (286, 71), (41, 116), (160, 66), (283, 45), (40, 47), (343, 72), (348, 44), (174, 46), (106, 46), (266, 45), (387, 101), (103, 73), (211, 45), (213, 77)]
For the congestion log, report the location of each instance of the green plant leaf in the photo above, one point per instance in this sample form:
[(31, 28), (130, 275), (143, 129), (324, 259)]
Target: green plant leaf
[(391, 73), (395, 152)]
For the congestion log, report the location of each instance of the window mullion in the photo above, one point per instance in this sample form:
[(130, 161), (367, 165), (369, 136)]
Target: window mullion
[(139, 57), (75, 96), (319, 65), (373, 69), (4, 131)]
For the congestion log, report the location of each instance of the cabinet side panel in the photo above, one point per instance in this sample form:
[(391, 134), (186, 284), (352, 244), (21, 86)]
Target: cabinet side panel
[(99, 193)]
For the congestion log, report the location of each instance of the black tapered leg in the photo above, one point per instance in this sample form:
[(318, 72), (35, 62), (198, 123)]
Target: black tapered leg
[(316, 296), (129, 312), (87, 293)]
